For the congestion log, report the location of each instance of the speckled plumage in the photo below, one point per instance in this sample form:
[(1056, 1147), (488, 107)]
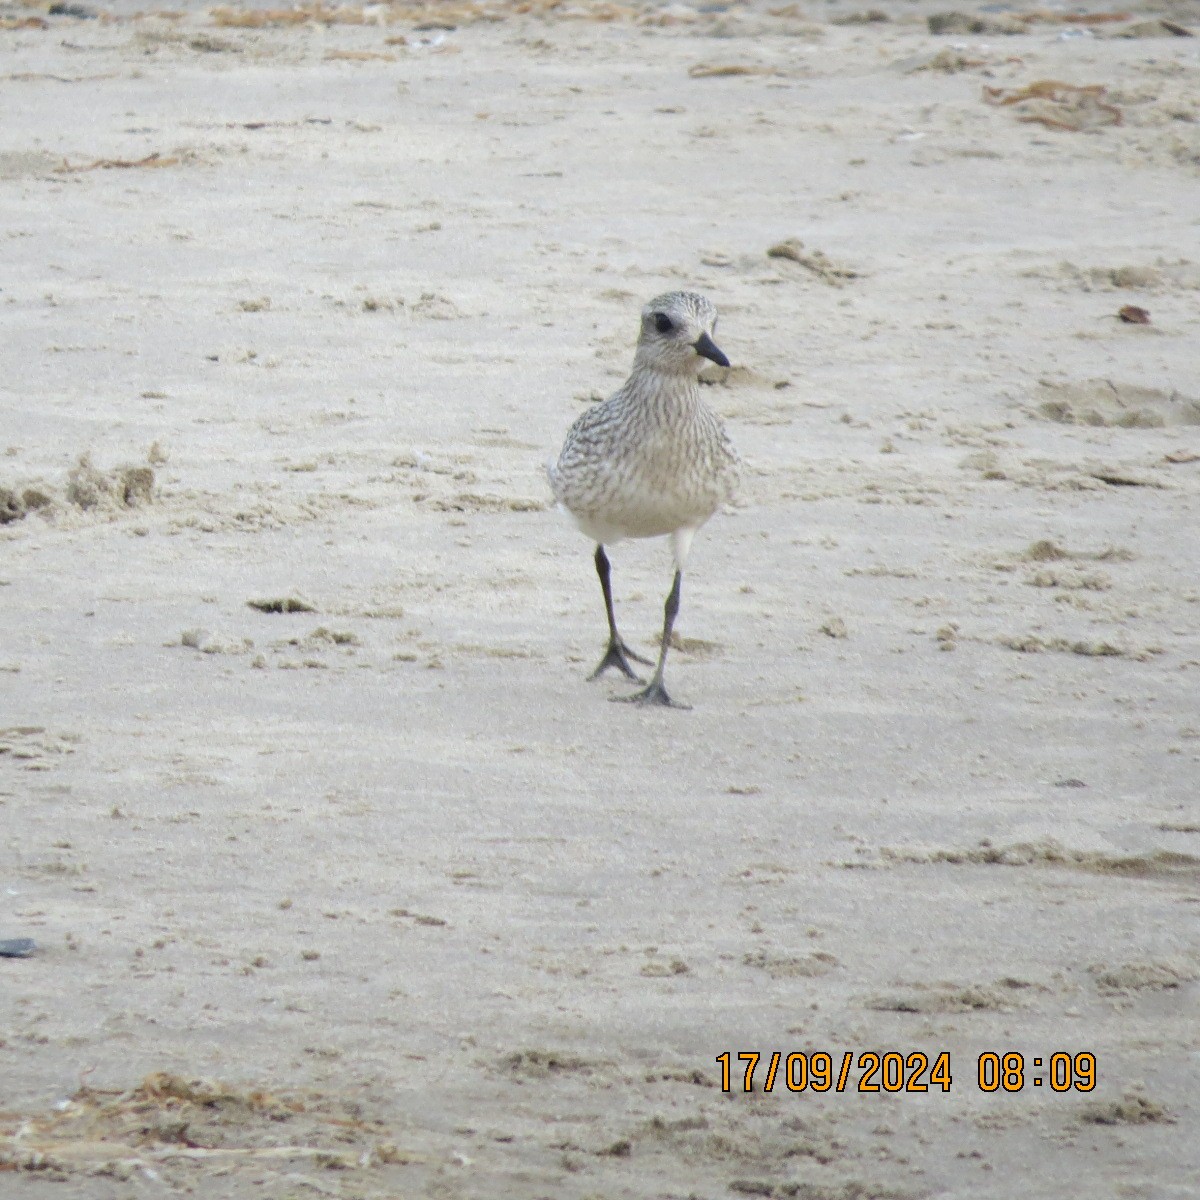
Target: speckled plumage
[(652, 460)]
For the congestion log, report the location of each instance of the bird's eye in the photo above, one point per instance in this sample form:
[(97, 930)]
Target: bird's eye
[(663, 323)]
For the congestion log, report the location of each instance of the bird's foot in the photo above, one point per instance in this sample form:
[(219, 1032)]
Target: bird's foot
[(618, 655), (646, 662), (652, 693)]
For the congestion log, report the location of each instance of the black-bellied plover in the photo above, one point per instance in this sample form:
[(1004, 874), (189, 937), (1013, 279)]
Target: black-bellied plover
[(650, 461)]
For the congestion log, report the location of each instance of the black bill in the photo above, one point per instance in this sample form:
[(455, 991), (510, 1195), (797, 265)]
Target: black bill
[(706, 347)]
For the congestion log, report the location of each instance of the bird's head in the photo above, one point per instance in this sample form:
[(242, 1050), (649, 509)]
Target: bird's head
[(677, 334)]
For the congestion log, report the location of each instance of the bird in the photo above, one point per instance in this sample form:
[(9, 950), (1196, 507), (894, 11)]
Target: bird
[(653, 460)]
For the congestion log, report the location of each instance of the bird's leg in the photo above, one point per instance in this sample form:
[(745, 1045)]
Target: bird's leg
[(618, 654), (654, 692)]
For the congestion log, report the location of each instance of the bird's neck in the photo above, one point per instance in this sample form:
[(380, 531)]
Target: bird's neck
[(651, 379)]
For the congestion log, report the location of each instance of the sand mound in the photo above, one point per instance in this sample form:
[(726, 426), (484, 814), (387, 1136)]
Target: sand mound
[(1105, 403)]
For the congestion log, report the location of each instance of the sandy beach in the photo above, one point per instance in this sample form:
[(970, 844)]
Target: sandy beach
[(343, 878)]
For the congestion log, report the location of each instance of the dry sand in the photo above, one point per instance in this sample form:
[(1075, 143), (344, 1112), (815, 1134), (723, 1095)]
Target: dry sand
[(376, 896)]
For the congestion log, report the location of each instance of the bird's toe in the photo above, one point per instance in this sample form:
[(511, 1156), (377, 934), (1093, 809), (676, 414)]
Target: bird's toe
[(654, 694)]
